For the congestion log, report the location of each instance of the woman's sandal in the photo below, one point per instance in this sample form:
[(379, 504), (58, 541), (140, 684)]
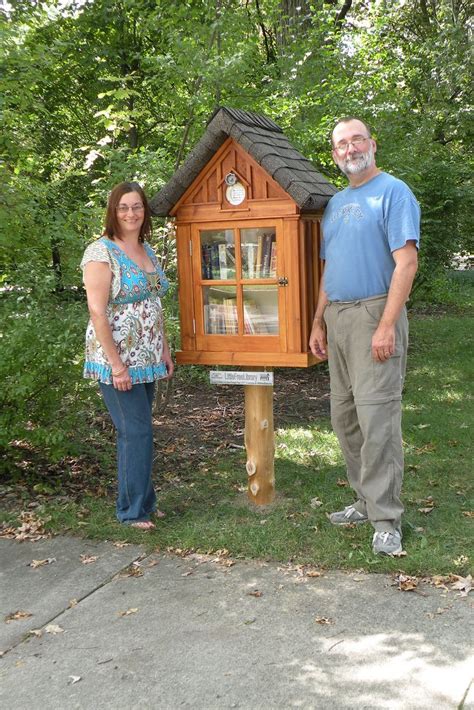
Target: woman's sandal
[(143, 525)]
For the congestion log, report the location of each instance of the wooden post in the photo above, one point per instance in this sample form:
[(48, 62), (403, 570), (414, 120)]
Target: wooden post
[(260, 443)]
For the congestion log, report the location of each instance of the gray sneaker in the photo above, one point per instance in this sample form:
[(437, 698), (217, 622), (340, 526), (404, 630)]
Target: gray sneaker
[(347, 516), (387, 543)]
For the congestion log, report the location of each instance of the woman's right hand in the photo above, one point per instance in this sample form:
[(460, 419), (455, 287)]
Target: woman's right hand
[(122, 381)]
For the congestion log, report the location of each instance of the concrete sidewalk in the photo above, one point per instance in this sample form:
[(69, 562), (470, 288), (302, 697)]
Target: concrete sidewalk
[(193, 632)]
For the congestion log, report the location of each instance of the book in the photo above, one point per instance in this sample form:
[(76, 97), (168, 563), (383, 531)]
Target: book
[(251, 260), (254, 319), (226, 261), (230, 316), (215, 264), (266, 254), (222, 261), (206, 261), (273, 260), (259, 256)]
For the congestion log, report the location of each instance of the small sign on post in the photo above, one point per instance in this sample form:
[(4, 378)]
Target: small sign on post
[(237, 377), (259, 433)]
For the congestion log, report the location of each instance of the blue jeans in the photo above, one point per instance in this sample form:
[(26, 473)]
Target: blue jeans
[(131, 414)]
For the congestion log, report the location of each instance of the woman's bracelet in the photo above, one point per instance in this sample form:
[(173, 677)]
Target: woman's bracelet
[(119, 372)]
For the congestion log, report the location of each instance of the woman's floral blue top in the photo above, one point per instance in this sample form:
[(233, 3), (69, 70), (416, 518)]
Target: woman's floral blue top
[(134, 312)]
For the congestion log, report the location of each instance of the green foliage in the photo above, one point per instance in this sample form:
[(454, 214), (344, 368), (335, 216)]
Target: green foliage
[(42, 395), (100, 91)]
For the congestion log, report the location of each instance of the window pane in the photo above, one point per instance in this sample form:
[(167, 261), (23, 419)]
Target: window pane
[(260, 310), (218, 254), (220, 310), (258, 250)]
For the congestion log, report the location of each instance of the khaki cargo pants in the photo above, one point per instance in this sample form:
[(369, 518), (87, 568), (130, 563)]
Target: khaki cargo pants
[(366, 406)]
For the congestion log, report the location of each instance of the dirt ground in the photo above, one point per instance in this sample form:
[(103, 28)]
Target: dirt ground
[(193, 422), (200, 419)]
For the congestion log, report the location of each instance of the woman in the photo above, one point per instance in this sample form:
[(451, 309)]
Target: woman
[(126, 347)]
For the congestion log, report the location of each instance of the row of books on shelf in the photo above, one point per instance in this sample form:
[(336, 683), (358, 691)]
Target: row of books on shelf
[(218, 261), (220, 318), (258, 259)]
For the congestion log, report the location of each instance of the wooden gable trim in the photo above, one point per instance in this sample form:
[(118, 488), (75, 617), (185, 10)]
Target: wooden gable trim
[(281, 194), (278, 192), (202, 175)]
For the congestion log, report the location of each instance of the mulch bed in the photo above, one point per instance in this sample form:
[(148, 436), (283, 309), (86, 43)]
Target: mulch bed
[(193, 422)]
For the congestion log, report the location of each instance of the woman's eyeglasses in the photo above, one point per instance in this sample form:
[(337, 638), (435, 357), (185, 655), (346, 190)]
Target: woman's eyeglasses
[(123, 209)]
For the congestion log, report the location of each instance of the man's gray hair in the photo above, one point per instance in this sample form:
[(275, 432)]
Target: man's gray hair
[(348, 119)]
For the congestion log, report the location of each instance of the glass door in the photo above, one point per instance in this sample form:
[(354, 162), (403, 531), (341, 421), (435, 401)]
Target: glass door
[(239, 301), (258, 254)]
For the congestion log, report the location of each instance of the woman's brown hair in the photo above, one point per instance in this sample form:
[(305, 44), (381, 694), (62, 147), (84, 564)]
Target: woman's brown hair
[(112, 226)]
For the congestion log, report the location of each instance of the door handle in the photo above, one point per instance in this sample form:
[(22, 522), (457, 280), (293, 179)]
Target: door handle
[(283, 281)]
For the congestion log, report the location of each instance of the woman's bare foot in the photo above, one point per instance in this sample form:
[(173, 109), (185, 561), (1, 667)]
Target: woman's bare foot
[(143, 525)]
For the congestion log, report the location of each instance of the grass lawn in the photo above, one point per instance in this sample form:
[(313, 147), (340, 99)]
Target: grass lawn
[(207, 508)]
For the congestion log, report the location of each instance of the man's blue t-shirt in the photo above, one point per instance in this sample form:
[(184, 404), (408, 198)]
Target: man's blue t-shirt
[(362, 226)]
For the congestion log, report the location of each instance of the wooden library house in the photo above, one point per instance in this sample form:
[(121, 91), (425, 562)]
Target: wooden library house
[(247, 207)]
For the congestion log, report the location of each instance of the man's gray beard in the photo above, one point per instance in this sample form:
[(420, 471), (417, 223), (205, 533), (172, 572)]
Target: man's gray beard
[(349, 167)]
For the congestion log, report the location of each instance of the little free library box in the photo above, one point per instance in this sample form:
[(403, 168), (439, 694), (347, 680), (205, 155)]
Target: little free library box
[(247, 207)]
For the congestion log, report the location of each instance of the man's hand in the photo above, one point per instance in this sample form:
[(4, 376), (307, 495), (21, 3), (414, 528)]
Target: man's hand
[(383, 342), (317, 340)]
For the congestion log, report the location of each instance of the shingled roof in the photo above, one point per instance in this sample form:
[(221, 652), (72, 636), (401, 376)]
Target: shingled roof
[(265, 142)]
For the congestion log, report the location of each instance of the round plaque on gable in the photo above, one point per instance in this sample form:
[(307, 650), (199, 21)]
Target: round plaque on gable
[(235, 194)]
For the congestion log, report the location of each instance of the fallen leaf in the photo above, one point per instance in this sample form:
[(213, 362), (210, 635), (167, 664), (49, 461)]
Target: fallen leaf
[(250, 621), (440, 581), (405, 582), (323, 620), (342, 483), (53, 629), (425, 510), (153, 563), (426, 449), (422, 426), (88, 559), (120, 544), (72, 603), (31, 528), (315, 502), (226, 562), (36, 632), (402, 553), (468, 513), (41, 563), (132, 570), (74, 679), (313, 573), (128, 612), (255, 593), (461, 561), (18, 616), (464, 585)]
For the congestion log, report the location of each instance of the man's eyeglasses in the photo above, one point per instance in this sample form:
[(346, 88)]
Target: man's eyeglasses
[(342, 147), (123, 209)]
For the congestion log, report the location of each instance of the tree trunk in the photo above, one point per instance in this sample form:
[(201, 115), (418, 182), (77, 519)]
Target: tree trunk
[(259, 443)]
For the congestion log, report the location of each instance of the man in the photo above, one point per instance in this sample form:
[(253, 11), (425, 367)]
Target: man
[(370, 243)]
